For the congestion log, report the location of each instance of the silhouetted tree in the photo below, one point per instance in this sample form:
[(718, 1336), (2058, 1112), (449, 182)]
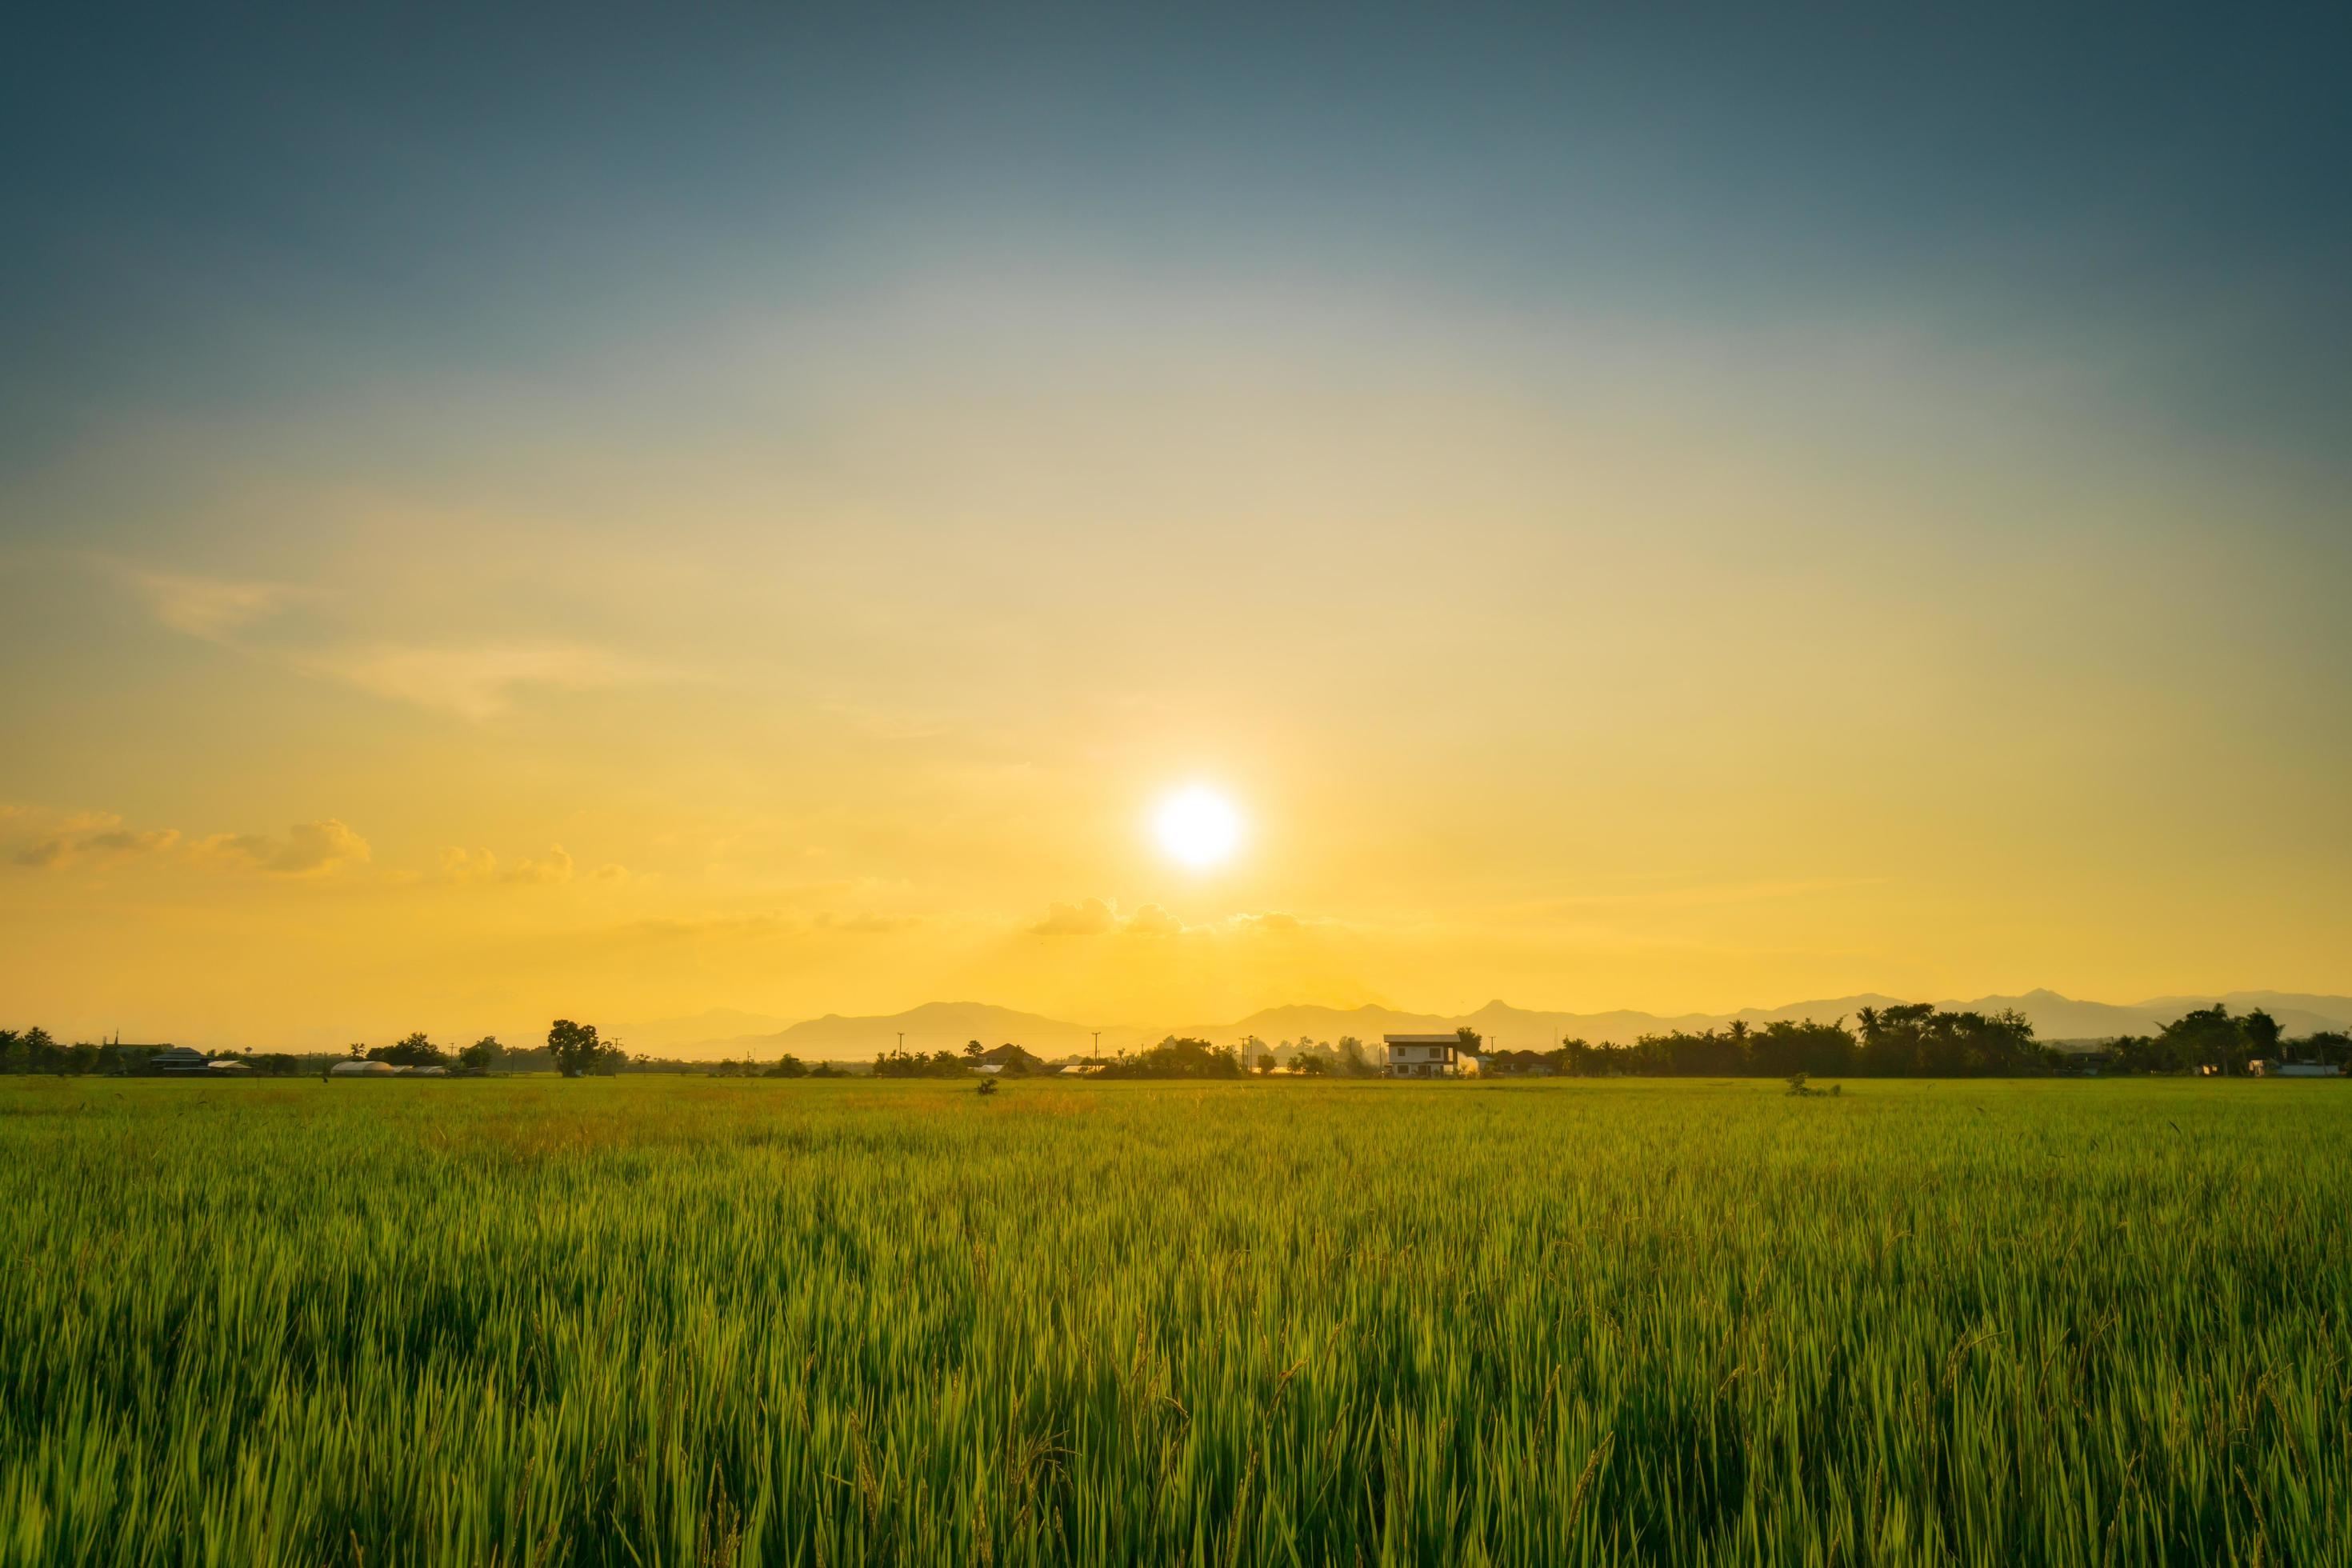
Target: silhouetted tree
[(413, 1051), (2208, 1037), (575, 1047), (2261, 1034), (1174, 1058), (2327, 1047)]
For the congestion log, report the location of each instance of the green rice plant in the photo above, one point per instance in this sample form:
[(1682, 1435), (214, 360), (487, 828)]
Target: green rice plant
[(808, 1321)]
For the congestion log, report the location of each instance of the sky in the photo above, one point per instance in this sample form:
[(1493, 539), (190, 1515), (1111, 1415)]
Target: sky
[(601, 513)]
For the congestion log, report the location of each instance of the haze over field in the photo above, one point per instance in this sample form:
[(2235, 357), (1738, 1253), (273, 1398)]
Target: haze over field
[(1157, 519)]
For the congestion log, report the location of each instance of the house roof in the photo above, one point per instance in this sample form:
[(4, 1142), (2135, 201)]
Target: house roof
[(1421, 1039)]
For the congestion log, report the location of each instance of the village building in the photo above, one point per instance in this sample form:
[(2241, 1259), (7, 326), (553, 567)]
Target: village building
[(1428, 1056), (1010, 1058), (177, 1062)]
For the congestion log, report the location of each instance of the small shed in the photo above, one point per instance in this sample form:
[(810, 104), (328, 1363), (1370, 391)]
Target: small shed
[(363, 1069)]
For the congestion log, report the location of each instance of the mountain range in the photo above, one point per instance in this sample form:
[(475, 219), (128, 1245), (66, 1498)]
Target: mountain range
[(946, 1026)]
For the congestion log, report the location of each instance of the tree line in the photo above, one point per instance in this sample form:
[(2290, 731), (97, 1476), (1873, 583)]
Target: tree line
[(574, 1050), (1914, 1040), (1917, 1040)]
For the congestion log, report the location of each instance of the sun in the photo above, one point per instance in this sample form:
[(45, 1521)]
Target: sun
[(1198, 827)]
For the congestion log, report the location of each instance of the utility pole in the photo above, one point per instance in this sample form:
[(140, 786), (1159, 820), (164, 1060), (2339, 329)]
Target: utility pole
[(1098, 1034)]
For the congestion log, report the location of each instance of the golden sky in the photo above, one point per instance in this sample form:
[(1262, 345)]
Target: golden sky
[(455, 633)]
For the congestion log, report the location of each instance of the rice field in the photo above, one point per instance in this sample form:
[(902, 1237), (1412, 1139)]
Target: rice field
[(735, 1321)]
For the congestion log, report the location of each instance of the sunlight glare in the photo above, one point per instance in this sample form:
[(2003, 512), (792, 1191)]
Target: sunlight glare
[(1198, 827)]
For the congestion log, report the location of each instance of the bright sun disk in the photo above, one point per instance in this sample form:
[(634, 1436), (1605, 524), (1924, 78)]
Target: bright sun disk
[(1198, 827)]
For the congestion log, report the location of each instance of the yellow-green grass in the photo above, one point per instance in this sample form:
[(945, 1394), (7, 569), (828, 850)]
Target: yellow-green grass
[(647, 1320)]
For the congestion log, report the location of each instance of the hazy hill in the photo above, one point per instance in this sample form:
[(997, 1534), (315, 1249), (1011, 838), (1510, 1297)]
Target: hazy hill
[(933, 1027), (946, 1026)]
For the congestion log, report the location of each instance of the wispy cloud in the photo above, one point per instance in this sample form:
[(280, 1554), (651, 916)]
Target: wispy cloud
[(213, 608), (100, 838), (1091, 917), (1704, 895), (462, 865), (89, 836), (473, 680), (479, 683), (868, 924), (1101, 916), (307, 849)]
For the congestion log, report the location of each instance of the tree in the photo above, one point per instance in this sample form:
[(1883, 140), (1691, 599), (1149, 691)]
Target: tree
[(2329, 1047), (2262, 1033), (1576, 1057), (574, 1047), (972, 1049), (1470, 1038), (1174, 1058), (1784, 1047), (2208, 1037), (1351, 1057), (483, 1056), (787, 1065), (413, 1051)]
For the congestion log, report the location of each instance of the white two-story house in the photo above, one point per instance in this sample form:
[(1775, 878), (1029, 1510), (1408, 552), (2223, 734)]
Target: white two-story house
[(1428, 1056)]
